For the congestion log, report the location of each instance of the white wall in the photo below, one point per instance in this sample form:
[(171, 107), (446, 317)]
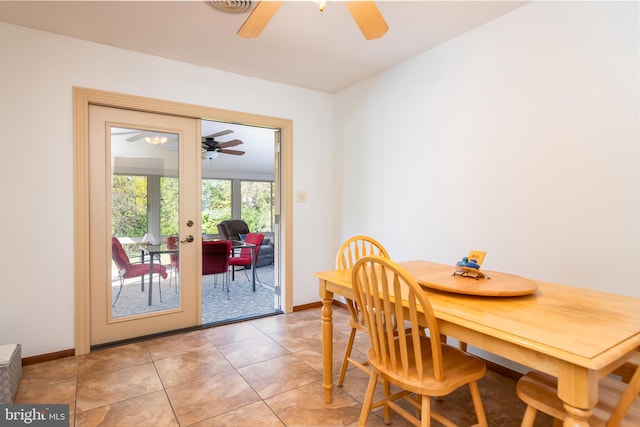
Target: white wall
[(520, 138), (37, 73)]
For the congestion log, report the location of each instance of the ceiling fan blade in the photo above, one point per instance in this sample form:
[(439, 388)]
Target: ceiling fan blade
[(217, 134), (140, 135), (124, 132), (369, 19), (232, 143), (259, 18), (234, 152)]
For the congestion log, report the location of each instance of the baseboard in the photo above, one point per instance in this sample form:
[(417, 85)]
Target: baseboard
[(48, 357), (309, 306)]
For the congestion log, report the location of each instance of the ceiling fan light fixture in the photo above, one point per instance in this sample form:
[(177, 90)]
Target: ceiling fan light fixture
[(210, 155), (155, 140), (322, 4)]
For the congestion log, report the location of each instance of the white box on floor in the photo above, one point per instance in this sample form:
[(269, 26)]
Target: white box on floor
[(10, 372)]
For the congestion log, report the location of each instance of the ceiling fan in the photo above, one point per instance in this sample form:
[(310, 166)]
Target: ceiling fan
[(365, 13), (211, 148)]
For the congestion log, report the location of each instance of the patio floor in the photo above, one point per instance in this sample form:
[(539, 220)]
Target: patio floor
[(216, 307)]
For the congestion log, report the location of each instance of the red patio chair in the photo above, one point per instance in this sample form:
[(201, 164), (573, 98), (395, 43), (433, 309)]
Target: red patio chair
[(244, 259), (128, 270), (215, 260)]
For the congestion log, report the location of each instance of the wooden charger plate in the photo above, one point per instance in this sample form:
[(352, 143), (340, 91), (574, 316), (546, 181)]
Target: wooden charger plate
[(440, 276)]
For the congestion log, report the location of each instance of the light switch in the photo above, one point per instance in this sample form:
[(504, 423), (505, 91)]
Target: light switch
[(301, 197)]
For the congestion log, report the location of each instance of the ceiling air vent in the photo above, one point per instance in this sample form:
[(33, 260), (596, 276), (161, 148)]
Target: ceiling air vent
[(231, 6)]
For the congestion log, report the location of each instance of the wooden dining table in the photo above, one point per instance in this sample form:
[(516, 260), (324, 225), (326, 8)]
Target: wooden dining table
[(575, 334)]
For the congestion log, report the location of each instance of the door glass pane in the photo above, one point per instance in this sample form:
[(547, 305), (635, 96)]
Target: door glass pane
[(144, 222)]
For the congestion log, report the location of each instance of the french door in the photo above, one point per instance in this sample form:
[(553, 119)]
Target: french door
[(143, 193)]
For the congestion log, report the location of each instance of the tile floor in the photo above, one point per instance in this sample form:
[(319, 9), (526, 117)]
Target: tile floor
[(265, 372)]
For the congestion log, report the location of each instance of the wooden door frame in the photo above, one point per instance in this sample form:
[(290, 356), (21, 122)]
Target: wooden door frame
[(82, 98)]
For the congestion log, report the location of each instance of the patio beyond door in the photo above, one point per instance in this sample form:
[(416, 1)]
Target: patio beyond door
[(144, 223)]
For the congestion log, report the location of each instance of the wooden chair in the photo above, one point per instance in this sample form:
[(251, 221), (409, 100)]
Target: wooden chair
[(626, 371), (618, 402), (351, 251), (408, 358)]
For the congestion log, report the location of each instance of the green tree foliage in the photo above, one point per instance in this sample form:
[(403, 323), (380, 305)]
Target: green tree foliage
[(216, 203), (169, 206), (129, 205), (256, 206)]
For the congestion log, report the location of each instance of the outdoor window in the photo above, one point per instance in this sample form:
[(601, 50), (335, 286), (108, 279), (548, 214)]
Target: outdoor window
[(216, 203), (130, 200), (169, 206), (129, 205), (257, 205)]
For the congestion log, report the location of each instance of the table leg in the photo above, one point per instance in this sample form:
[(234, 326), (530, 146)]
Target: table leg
[(578, 389), (253, 266), (142, 277), (327, 342), (576, 417), (150, 277)]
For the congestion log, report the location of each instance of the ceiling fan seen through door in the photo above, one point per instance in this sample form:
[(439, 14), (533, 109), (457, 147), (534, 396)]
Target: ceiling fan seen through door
[(212, 148)]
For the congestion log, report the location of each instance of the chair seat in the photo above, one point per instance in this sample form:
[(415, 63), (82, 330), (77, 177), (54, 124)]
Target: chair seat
[(539, 391), (136, 270), (240, 260), (460, 368), (246, 253)]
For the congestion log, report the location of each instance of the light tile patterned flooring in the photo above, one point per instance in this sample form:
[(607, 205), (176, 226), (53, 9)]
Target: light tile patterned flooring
[(264, 372)]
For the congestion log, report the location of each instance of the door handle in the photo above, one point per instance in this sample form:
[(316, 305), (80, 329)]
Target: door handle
[(189, 239)]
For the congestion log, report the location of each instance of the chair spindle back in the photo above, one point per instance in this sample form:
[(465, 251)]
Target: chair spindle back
[(378, 283)]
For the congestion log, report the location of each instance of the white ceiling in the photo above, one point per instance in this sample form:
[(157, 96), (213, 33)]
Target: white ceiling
[(301, 46)]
